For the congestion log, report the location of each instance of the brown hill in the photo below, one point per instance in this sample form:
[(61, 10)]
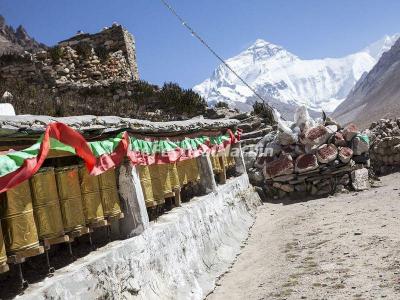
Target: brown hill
[(376, 95)]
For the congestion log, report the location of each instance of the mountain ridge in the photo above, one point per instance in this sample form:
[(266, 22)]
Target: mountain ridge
[(286, 80)]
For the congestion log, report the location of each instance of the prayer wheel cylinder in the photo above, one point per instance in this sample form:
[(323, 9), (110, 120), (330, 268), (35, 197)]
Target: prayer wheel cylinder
[(3, 254), (69, 191), (216, 165), (91, 197), (163, 174), (151, 185), (173, 175), (188, 171), (46, 204), (17, 219), (109, 194)]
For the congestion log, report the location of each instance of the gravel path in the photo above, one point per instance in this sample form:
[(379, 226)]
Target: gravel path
[(341, 247)]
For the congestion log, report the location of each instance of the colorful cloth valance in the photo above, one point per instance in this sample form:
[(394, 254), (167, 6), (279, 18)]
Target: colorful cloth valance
[(100, 156)]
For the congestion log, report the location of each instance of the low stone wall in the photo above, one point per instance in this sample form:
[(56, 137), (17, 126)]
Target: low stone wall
[(385, 148), (178, 257)]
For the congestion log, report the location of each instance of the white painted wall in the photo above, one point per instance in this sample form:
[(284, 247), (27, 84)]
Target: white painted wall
[(6, 109), (178, 257)]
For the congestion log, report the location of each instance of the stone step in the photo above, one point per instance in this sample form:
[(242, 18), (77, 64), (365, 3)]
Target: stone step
[(251, 141), (257, 133)]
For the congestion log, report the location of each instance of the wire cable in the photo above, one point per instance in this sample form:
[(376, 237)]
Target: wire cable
[(194, 33)]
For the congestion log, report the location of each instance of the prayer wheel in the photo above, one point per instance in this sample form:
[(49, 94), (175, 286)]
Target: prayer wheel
[(91, 197), (188, 171), (46, 204), (3, 255), (216, 164), (109, 194), (69, 191), (173, 175), (151, 185), (17, 219)]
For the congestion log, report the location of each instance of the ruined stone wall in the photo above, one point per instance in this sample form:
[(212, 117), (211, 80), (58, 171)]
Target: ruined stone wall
[(83, 60)]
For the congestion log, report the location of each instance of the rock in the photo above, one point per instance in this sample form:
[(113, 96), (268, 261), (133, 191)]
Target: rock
[(256, 177), (345, 154), (249, 158), (317, 135), (339, 140), (327, 153), (345, 180), (284, 138), (300, 187), (306, 163), (360, 144), (349, 132), (283, 165), (359, 179), (288, 188)]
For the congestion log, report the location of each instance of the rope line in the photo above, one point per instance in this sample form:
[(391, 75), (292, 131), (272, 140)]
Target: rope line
[(194, 33)]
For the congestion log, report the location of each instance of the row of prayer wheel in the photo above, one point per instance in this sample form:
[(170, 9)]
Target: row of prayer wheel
[(159, 181), (222, 161), (54, 202)]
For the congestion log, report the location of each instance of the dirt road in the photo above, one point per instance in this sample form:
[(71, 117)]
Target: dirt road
[(342, 247)]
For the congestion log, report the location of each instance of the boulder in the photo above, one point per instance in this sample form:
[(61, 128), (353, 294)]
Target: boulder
[(283, 165), (359, 179), (317, 135), (327, 153), (350, 131), (285, 138), (345, 154), (339, 140), (305, 163), (360, 144)]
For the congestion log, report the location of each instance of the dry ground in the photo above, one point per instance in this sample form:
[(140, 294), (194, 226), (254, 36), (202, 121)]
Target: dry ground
[(341, 247)]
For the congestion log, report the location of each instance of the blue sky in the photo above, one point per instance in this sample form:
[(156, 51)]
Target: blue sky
[(166, 52)]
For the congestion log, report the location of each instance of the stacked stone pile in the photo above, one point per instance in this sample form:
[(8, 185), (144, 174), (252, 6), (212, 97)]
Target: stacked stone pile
[(313, 159), (385, 144)]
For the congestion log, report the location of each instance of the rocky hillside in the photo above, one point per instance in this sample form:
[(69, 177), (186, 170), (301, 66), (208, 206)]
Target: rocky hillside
[(16, 40), (287, 81), (376, 95)]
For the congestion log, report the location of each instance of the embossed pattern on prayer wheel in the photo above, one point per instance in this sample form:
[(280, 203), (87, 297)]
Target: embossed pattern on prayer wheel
[(162, 171), (216, 164), (17, 219), (109, 194), (151, 185), (91, 198), (188, 171), (46, 204), (69, 191)]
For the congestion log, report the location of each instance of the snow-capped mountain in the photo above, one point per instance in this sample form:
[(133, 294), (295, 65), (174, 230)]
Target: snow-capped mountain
[(286, 81)]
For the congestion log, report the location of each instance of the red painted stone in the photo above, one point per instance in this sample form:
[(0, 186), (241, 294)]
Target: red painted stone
[(327, 153), (283, 165), (345, 154), (306, 162), (350, 131), (316, 135), (339, 140)]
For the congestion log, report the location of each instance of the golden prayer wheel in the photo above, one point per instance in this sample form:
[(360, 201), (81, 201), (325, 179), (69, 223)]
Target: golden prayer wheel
[(91, 197), (216, 164), (3, 254), (109, 194), (69, 191), (188, 171), (173, 175), (46, 204), (151, 185), (17, 219)]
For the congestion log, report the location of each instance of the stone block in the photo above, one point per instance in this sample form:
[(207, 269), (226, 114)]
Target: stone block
[(345, 154), (350, 131), (305, 163), (360, 179), (283, 165), (327, 153)]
